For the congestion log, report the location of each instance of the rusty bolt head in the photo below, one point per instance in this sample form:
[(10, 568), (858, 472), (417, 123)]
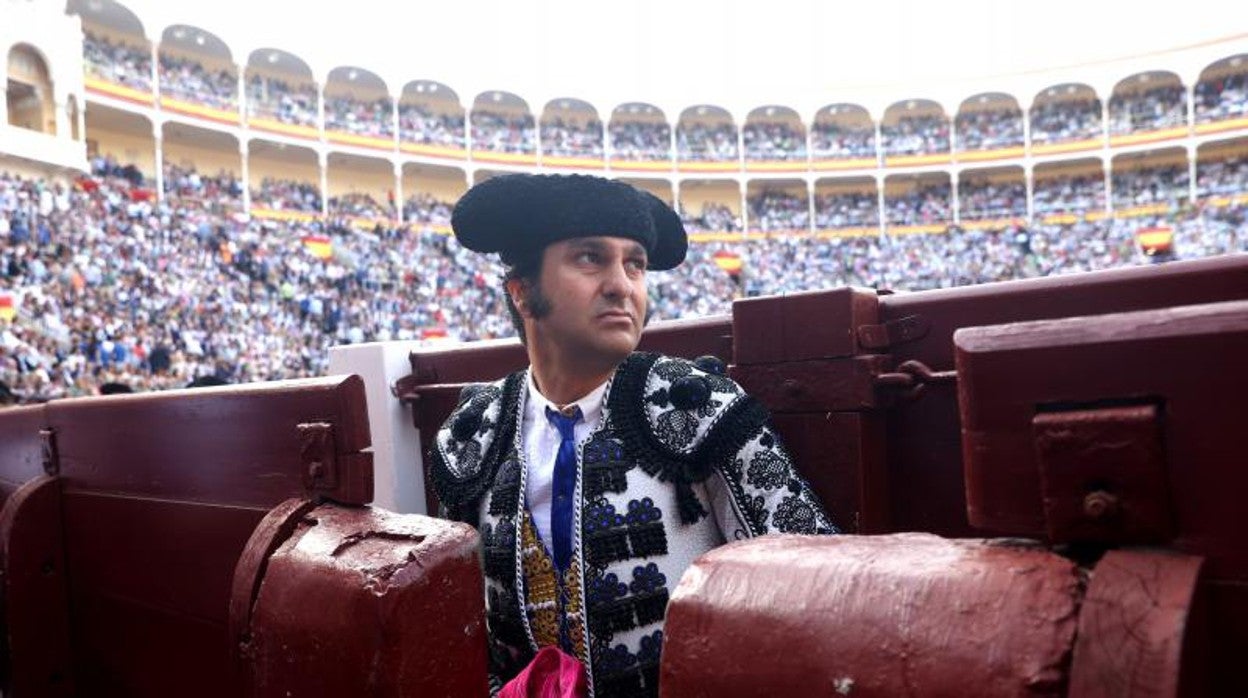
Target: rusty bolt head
[(1101, 505)]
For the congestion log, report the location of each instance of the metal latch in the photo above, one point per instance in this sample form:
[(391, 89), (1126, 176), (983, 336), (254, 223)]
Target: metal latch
[(316, 450), (911, 379), (886, 335), (48, 451), (1103, 475)]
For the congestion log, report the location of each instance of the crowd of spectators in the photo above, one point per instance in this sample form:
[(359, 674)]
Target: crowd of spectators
[(697, 141), (1167, 184), (503, 133), (711, 217), (286, 195), (419, 124), (916, 135), (110, 287), (924, 204), (426, 209), (847, 210), (1222, 98), (189, 80), (981, 199), (358, 204), (641, 140), (118, 62), (360, 117), (219, 193), (829, 139), (990, 128), (1147, 110), (776, 210), (774, 140), (572, 137), (1066, 120), (274, 98), (1221, 177), (1068, 194)]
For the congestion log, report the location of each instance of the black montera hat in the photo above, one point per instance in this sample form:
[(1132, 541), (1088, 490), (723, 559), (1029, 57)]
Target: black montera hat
[(518, 215)]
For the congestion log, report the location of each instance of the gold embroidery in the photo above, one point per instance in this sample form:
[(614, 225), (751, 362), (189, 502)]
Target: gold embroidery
[(576, 628), (541, 586)]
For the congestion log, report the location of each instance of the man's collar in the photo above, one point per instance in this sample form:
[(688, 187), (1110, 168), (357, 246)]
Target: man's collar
[(590, 403)]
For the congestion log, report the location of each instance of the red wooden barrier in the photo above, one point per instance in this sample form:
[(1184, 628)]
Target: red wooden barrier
[(359, 601), (152, 501), (913, 614)]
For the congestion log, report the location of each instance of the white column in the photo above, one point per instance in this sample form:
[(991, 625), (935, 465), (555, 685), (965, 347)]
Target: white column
[(1029, 177), (879, 191), (956, 201), (398, 194), (61, 114), (160, 162), (242, 93), (244, 152), (745, 203), (322, 161), (81, 116), (810, 195), (1191, 175)]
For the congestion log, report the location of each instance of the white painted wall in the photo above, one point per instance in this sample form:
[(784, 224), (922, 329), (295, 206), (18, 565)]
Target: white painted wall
[(397, 468)]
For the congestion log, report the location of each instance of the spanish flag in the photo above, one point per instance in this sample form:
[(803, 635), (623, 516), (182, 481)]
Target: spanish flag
[(1155, 239), (730, 262), (319, 246), (7, 309)]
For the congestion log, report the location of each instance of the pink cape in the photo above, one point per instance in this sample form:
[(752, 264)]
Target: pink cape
[(551, 674)]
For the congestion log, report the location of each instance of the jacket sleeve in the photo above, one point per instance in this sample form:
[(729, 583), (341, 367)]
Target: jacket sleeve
[(757, 490)]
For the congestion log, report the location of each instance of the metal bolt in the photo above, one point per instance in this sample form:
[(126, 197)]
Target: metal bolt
[(1101, 505)]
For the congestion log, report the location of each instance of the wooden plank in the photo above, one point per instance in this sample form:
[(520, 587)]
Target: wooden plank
[(230, 445), (1135, 625), (149, 585)]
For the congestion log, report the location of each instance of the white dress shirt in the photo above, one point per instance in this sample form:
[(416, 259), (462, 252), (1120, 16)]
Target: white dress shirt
[(541, 440)]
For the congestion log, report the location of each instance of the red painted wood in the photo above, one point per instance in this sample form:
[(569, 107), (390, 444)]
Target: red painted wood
[(272, 531), (33, 601), (1135, 625), (158, 496), (21, 458), (232, 444), (905, 614), (360, 601), (925, 451), (800, 326)]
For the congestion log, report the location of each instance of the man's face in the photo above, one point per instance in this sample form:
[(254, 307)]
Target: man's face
[(596, 291)]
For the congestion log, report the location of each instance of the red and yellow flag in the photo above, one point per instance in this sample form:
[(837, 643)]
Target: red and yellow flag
[(7, 308), (730, 262), (1155, 239), (319, 246)]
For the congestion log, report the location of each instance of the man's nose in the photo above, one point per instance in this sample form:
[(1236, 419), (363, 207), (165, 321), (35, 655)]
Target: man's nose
[(616, 281)]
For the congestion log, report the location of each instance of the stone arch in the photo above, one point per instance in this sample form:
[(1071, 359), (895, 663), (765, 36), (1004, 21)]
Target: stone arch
[(30, 99)]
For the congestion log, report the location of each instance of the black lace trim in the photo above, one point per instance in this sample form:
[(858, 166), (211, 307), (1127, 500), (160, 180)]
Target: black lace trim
[(739, 423), (459, 494)]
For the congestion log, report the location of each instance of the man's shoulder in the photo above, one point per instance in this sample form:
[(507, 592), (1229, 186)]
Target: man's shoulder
[(687, 408), (466, 445)]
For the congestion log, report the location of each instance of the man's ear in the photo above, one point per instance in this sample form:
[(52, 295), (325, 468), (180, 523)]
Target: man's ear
[(518, 290)]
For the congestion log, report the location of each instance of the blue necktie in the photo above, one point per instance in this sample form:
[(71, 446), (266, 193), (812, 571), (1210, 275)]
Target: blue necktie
[(564, 486)]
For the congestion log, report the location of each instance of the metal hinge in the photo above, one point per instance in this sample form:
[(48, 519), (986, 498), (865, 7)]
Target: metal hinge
[(47, 447), (316, 450), (887, 335), (911, 379)]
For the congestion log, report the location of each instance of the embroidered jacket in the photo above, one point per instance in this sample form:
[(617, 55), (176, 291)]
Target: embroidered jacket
[(682, 461)]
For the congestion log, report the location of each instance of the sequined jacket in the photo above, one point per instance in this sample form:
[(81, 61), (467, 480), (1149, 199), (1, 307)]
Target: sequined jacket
[(682, 461)]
